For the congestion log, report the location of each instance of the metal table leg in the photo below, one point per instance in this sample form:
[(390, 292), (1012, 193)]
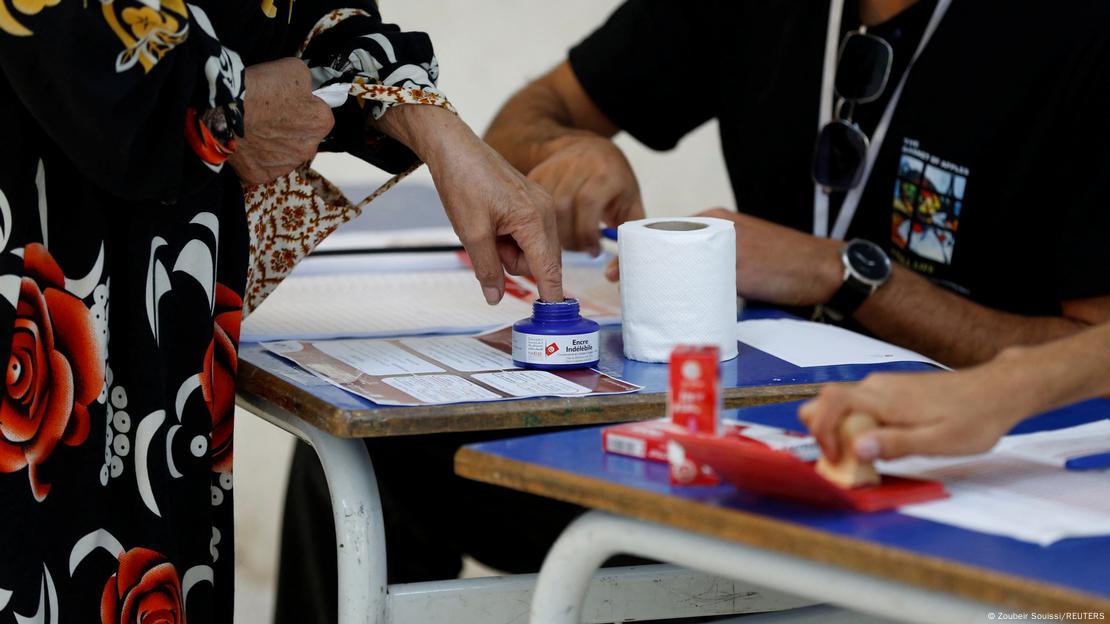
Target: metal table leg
[(595, 536), (356, 509)]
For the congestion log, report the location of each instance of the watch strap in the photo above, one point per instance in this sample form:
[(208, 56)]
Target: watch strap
[(847, 299)]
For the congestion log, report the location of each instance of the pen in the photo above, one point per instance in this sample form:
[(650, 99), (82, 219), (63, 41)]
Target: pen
[(1094, 461), (610, 233)]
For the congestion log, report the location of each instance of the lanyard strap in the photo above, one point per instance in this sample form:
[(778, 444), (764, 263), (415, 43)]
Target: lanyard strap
[(851, 200)]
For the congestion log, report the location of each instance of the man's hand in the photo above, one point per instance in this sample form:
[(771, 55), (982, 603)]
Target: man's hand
[(919, 413), (283, 123), (505, 221), (591, 182)]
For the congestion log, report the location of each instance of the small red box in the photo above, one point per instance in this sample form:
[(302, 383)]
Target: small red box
[(694, 395), (648, 440)]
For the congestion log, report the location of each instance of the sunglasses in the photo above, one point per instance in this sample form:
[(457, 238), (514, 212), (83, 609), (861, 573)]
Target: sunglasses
[(862, 71)]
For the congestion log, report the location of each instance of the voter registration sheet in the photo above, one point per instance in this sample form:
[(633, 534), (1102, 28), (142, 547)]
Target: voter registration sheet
[(436, 370)]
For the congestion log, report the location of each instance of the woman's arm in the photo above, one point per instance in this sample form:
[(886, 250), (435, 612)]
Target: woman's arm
[(505, 221), (968, 411)]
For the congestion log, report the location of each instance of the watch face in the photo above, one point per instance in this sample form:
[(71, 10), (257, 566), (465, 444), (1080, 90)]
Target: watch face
[(868, 260)]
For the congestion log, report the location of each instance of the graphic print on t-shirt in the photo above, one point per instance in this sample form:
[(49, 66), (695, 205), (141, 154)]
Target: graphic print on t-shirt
[(928, 198)]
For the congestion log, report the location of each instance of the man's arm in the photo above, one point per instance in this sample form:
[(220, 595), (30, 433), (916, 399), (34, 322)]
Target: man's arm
[(552, 131), (529, 126), (965, 412), (780, 265), (958, 331)]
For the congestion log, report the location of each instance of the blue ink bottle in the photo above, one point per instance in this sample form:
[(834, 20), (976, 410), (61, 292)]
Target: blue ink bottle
[(556, 338)]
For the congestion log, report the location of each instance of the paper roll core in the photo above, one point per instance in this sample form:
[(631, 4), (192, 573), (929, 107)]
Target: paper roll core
[(676, 226)]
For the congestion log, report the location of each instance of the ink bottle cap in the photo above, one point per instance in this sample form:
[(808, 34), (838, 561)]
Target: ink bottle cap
[(556, 338)]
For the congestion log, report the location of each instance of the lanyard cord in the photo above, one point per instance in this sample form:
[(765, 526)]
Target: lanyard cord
[(851, 200)]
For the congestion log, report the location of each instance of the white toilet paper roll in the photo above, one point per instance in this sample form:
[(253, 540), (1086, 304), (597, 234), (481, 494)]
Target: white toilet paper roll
[(678, 286)]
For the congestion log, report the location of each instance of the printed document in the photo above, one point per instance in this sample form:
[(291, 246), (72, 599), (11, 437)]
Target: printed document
[(435, 370), (1020, 489)]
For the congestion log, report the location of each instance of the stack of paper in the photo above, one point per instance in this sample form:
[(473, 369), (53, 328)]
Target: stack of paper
[(1020, 489)]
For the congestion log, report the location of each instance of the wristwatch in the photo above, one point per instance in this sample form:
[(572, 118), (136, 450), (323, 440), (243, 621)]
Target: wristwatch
[(866, 268)]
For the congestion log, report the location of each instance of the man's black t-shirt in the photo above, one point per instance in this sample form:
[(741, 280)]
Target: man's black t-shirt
[(994, 178)]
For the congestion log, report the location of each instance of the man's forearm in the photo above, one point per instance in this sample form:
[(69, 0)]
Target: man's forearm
[(526, 126), (544, 116), (949, 328)]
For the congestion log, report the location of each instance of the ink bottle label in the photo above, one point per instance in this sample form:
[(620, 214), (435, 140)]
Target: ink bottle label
[(556, 350), (556, 337)]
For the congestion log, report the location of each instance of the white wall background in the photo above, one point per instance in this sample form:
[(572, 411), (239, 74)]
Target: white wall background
[(487, 49)]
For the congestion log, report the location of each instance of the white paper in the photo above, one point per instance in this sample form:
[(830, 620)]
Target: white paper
[(408, 294), (1057, 447), (804, 344), (327, 371), (462, 355), (1006, 493), (376, 357), (350, 240), (392, 262), (440, 388), (379, 304), (587, 282), (678, 286), (438, 370), (803, 447), (523, 383)]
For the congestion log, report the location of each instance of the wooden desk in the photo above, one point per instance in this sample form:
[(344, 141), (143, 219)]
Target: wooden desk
[(753, 378), (333, 421), (1069, 576)]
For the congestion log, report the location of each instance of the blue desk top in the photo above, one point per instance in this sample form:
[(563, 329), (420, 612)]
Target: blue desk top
[(1079, 564), (751, 368)]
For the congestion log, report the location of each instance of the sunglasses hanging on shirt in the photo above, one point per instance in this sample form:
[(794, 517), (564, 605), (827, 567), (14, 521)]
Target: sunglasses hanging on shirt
[(862, 71), (844, 156)]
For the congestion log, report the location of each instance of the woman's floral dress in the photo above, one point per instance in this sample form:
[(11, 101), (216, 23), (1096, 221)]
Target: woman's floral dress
[(123, 258)]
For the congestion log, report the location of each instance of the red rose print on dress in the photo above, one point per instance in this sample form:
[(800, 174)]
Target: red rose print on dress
[(145, 587), (54, 371), (145, 590), (218, 379)]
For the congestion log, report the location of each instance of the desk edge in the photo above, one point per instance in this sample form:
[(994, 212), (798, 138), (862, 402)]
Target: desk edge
[(522, 414), (883, 561)]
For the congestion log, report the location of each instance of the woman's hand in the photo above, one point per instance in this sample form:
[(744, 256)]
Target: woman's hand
[(504, 221), (922, 413), (283, 123)]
